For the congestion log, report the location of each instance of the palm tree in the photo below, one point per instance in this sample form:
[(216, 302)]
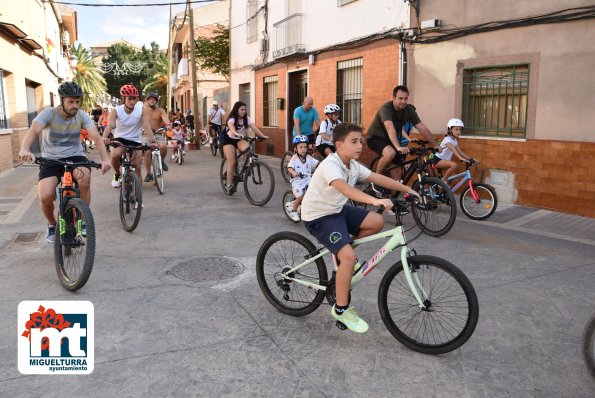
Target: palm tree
[(88, 76), (157, 80)]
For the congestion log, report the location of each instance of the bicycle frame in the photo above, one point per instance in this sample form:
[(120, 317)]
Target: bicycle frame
[(466, 177), (396, 239), (68, 189)]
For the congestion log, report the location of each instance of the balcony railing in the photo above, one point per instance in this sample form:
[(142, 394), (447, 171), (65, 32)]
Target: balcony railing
[(288, 33)]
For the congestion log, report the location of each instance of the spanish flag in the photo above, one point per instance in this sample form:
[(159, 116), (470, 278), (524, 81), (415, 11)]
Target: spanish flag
[(50, 45)]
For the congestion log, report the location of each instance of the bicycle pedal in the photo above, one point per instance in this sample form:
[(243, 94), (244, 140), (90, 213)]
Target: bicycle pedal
[(340, 325)]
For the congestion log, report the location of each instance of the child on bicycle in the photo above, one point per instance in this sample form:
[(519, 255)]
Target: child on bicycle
[(177, 136), (332, 222), (300, 167), (324, 141), (450, 146)]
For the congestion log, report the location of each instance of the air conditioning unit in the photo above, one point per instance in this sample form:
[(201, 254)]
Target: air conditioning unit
[(264, 46), (430, 24)]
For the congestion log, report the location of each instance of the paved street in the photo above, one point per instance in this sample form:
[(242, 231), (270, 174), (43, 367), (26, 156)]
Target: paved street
[(213, 334)]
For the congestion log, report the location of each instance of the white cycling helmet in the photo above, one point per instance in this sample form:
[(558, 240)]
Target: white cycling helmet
[(331, 108), (455, 123)]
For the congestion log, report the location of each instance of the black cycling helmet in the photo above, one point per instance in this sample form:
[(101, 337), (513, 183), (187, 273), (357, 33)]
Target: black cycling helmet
[(70, 89), (153, 94)]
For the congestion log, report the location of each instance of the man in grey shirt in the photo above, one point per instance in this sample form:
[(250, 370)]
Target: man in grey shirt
[(61, 127)]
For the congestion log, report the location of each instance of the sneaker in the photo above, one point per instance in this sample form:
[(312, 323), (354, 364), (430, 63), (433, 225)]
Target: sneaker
[(351, 319), (173, 157), (117, 181), (295, 216), (149, 178), (229, 189), (183, 152), (50, 235), (289, 206), (164, 166), (142, 205)]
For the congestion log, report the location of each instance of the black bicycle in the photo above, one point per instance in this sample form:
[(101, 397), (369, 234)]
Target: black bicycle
[(74, 246), (131, 195), (437, 212), (215, 131), (257, 176)]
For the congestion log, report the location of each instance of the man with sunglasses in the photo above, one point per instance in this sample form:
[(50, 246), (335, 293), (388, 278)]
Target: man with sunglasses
[(128, 119)]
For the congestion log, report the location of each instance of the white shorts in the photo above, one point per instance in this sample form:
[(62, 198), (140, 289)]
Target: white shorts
[(299, 185)]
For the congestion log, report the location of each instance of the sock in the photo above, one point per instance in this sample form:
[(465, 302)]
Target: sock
[(339, 310)]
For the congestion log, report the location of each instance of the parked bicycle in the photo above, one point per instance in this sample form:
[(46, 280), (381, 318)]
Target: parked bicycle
[(478, 200), (131, 195), (425, 302), (438, 211), (257, 176), (215, 141), (74, 246)]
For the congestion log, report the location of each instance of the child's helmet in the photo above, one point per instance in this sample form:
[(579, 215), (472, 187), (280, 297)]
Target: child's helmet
[(176, 123), (331, 108), (300, 138), (455, 123)]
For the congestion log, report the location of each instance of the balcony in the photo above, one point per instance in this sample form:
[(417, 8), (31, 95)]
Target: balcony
[(288, 33)]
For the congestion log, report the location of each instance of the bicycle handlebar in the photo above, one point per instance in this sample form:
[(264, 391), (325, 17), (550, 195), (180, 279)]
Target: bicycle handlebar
[(407, 201), (69, 163), (141, 147)]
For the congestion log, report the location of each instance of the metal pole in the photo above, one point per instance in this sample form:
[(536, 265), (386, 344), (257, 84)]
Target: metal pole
[(169, 61), (197, 124)]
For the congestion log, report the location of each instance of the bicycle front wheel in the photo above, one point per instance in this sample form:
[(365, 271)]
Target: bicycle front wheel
[(158, 174), (131, 201), (437, 212), (484, 207), (180, 157), (284, 162), (74, 250), (259, 183), (288, 198), (280, 253), (451, 308)]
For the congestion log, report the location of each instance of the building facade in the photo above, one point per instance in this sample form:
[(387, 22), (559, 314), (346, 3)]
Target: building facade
[(35, 58), (206, 22), (523, 89)]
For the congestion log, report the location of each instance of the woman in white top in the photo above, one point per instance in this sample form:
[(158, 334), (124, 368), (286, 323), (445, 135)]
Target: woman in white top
[(238, 124), (450, 146)]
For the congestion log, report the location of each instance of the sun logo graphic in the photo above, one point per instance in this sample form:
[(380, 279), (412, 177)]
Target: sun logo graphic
[(56, 337)]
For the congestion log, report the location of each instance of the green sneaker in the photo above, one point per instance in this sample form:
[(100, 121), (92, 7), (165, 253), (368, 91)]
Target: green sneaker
[(351, 319)]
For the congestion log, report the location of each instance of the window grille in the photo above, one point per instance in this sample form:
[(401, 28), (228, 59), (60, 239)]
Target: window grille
[(495, 101), (3, 115), (349, 90), (251, 20), (270, 101)]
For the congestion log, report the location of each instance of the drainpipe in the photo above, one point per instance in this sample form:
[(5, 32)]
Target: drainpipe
[(403, 66)]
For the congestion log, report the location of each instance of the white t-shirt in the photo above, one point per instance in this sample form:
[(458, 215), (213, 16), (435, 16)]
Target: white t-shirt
[(446, 153), (322, 199), (327, 128), (306, 167), (128, 125), (241, 129), (216, 115)]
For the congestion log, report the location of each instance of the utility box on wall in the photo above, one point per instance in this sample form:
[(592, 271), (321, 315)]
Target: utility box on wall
[(280, 104), (504, 183)]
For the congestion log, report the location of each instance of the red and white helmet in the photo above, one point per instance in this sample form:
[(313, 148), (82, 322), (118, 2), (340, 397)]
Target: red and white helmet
[(128, 90), (455, 123)]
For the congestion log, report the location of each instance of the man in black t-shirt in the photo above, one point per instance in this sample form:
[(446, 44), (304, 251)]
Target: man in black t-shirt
[(96, 113), (385, 132)]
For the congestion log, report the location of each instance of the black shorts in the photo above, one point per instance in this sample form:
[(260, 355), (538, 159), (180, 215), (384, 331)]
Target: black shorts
[(320, 148), (377, 144), (128, 142), (57, 170), (227, 140)]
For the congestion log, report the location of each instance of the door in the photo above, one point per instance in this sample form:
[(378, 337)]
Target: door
[(298, 90), (244, 96)]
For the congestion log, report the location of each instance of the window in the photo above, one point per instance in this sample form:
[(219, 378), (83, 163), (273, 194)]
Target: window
[(343, 2), (3, 115), (251, 20), (349, 90), (270, 101), (495, 101), (244, 94)]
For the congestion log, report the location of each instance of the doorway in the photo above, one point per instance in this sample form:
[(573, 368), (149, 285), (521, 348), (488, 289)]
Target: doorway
[(297, 86)]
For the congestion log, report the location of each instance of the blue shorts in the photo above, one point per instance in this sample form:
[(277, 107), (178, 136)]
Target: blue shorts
[(333, 230)]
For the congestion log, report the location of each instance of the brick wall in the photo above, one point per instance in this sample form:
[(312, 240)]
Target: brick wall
[(5, 152), (555, 175)]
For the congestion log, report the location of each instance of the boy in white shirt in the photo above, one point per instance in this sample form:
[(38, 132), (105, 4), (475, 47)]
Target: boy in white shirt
[(327, 217), (300, 167)]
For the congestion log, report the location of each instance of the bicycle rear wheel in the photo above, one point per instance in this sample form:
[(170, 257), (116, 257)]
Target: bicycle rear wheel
[(484, 207), (280, 253), (259, 183), (437, 212), (214, 146), (74, 252), (131, 201), (158, 174), (451, 311), (288, 197), (284, 162)]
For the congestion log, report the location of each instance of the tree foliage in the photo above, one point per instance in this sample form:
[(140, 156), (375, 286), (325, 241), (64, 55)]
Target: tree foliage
[(88, 76), (212, 53), (157, 80), (121, 53)]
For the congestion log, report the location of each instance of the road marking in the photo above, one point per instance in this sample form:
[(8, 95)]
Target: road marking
[(18, 212)]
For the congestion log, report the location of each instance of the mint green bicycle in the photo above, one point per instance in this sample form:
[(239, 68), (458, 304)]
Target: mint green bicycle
[(426, 302)]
